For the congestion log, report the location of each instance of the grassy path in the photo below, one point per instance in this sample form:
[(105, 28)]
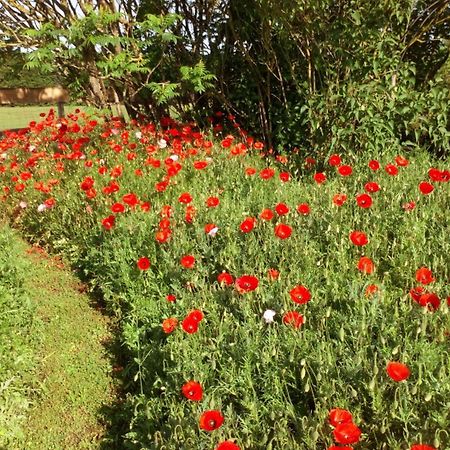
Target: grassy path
[(75, 367), (12, 117)]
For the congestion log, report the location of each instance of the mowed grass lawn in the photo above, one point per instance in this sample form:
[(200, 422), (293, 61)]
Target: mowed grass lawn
[(12, 117)]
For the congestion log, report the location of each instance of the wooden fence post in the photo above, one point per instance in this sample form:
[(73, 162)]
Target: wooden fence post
[(60, 109)]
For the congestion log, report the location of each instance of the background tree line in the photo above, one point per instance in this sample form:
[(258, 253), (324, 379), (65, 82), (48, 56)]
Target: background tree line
[(14, 74), (338, 75)]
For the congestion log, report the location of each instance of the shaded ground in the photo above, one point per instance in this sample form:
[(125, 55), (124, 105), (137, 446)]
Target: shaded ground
[(76, 406)]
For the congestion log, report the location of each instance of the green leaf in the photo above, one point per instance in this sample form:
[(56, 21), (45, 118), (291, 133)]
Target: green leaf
[(356, 16)]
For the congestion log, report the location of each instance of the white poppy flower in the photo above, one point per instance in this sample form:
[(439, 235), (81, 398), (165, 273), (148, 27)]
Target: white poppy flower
[(213, 231), (269, 315)]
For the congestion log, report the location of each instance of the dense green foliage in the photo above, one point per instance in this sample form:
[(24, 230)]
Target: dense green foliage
[(14, 74), (108, 196), (350, 75)]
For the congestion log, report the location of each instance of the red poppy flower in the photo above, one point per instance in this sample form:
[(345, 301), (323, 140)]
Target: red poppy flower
[(371, 289), (85, 185), (211, 420), (430, 300), (227, 445), (50, 202), (212, 202), (397, 371), (116, 172), (166, 211), (366, 265), (190, 214), (155, 163), (424, 276), (130, 199), (267, 173), (283, 231), (171, 298), (374, 165), (250, 171), (435, 174), (117, 208), (293, 318), (246, 283), (422, 447), (114, 187), (281, 209), (300, 294), (364, 200), (303, 209), (310, 161), (339, 447), (347, 433), (163, 235), (192, 390), (334, 160), (226, 142), (209, 227), (187, 261), (185, 198), (273, 274), (285, 177), (143, 263), (338, 416), (161, 186), (266, 214), (359, 238), (391, 169), (199, 165), (426, 188), (247, 225), (108, 222), (371, 186), (190, 324), (339, 199), (320, 177), (445, 176), (345, 171), (196, 315), (169, 325), (416, 293), (409, 206), (225, 278), (173, 169), (401, 161)]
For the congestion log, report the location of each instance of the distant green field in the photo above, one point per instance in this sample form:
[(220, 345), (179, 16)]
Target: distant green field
[(20, 116)]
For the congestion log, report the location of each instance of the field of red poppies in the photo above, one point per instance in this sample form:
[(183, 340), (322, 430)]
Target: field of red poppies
[(266, 301)]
